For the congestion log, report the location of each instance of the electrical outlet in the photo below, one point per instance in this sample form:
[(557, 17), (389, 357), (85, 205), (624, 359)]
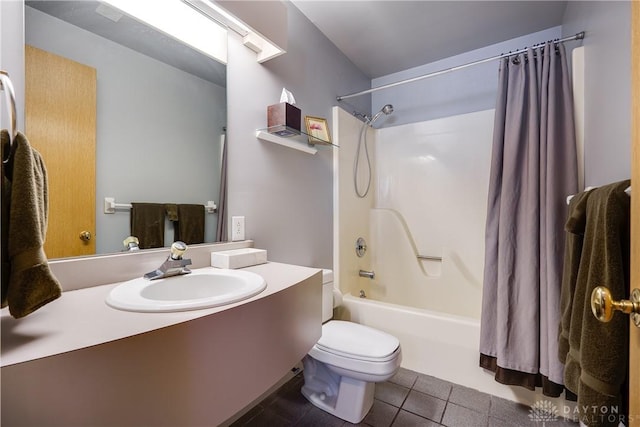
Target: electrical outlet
[(237, 228)]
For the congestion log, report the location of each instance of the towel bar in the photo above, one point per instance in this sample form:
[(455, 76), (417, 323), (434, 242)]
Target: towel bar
[(627, 190), (110, 206)]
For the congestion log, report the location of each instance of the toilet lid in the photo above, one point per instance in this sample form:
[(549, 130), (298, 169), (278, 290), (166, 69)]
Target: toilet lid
[(356, 341)]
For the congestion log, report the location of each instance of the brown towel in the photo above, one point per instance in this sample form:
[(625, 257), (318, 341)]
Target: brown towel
[(190, 225), (147, 224), (574, 237), (27, 282), (596, 364)]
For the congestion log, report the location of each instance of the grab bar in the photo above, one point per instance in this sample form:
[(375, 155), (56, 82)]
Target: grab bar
[(429, 257), (7, 87)]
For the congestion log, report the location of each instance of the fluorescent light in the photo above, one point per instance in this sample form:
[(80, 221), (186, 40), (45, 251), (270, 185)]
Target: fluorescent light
[(262, 46), (219, 14), (178, 20)]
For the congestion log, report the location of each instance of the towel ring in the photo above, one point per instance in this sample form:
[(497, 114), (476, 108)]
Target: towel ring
[(7, 87)]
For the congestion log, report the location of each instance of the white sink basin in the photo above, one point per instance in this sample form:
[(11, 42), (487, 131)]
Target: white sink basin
[(202, 288)]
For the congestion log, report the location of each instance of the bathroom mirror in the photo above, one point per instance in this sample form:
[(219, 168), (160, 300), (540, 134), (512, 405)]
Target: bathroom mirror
[(160, 114)]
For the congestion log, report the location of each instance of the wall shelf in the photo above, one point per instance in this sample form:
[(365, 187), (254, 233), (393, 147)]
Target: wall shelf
[(296, 139)]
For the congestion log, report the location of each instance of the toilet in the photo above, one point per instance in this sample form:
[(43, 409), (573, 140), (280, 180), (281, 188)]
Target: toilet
[(341, 370)]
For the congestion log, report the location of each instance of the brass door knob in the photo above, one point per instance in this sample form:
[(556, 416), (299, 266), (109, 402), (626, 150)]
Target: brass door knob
[(85, 236), (603, 306)]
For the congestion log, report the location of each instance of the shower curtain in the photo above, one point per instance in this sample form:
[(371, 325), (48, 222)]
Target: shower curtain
[(221, 228), (533, 170)]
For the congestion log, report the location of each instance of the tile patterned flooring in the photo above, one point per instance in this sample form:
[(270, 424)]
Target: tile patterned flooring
[(406, 400)]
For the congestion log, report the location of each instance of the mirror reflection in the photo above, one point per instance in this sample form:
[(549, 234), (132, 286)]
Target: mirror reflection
[(112, 98)]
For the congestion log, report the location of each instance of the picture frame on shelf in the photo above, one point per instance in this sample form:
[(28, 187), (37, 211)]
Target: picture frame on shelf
[(317, 130)]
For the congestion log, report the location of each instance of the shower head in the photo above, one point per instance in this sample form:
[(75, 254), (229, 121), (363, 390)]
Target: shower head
[(387, 109)]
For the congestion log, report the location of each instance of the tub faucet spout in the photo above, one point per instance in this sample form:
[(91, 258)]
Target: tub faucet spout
[(369, 274), (174, 265)]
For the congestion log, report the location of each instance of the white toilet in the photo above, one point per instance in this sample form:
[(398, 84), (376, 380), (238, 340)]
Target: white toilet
[(341, 370)]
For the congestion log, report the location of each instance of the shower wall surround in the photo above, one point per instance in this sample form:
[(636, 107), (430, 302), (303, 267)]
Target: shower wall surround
[(429, 198), (350, 213), (432, 181)]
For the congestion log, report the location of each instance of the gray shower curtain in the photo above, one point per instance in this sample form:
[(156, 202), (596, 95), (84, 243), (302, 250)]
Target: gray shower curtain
[(533, 170), (221, 228)]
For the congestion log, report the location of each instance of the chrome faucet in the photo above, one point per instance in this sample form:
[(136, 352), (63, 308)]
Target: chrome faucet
[(368, 274), (174, 265)]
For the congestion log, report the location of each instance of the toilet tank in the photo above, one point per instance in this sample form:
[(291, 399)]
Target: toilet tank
[(327, 295)]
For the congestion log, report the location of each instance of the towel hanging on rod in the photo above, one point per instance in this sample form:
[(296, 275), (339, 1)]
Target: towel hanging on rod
[(110, 206), (573, 195), (628, 191), (7, 87)]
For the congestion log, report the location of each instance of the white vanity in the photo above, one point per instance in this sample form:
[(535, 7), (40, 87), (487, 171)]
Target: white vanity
[(78, 362)]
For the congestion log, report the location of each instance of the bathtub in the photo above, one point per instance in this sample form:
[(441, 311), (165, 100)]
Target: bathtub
[(442, 345), (426, 247)]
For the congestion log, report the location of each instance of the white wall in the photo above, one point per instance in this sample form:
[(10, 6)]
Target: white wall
[(158, 128), (284, 194), (607, 76)]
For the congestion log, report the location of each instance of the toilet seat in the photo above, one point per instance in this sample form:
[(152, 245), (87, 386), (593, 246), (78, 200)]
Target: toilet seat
[(355, 341), (342, 368), (379, 353)]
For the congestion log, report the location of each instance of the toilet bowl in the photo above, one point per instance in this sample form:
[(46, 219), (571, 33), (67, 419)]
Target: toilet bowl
[(341, 370)]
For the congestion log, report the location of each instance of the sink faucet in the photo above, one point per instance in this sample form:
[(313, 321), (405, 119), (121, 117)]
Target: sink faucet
[(174, 265)]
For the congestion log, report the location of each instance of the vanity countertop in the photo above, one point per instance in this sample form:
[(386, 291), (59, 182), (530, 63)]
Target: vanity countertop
[(81, 318)]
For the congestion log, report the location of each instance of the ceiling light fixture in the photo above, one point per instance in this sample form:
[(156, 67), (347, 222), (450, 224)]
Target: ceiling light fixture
[(178, 20), (217, 13), (262, 46)]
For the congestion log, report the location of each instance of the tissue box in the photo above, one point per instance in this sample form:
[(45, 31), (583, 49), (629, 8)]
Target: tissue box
[(282, 116), (238, 258)]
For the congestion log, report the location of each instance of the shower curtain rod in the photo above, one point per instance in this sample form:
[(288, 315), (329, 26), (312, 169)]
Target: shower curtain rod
[(578, 36)]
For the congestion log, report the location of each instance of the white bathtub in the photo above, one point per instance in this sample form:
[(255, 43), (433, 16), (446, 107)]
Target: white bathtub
[(434, 306), (437, 344)]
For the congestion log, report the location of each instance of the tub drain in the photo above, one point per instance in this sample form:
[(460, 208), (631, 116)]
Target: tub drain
[(362, 294)]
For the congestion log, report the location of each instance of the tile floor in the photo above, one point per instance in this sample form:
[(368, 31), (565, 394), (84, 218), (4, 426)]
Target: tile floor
[(407, 399)]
